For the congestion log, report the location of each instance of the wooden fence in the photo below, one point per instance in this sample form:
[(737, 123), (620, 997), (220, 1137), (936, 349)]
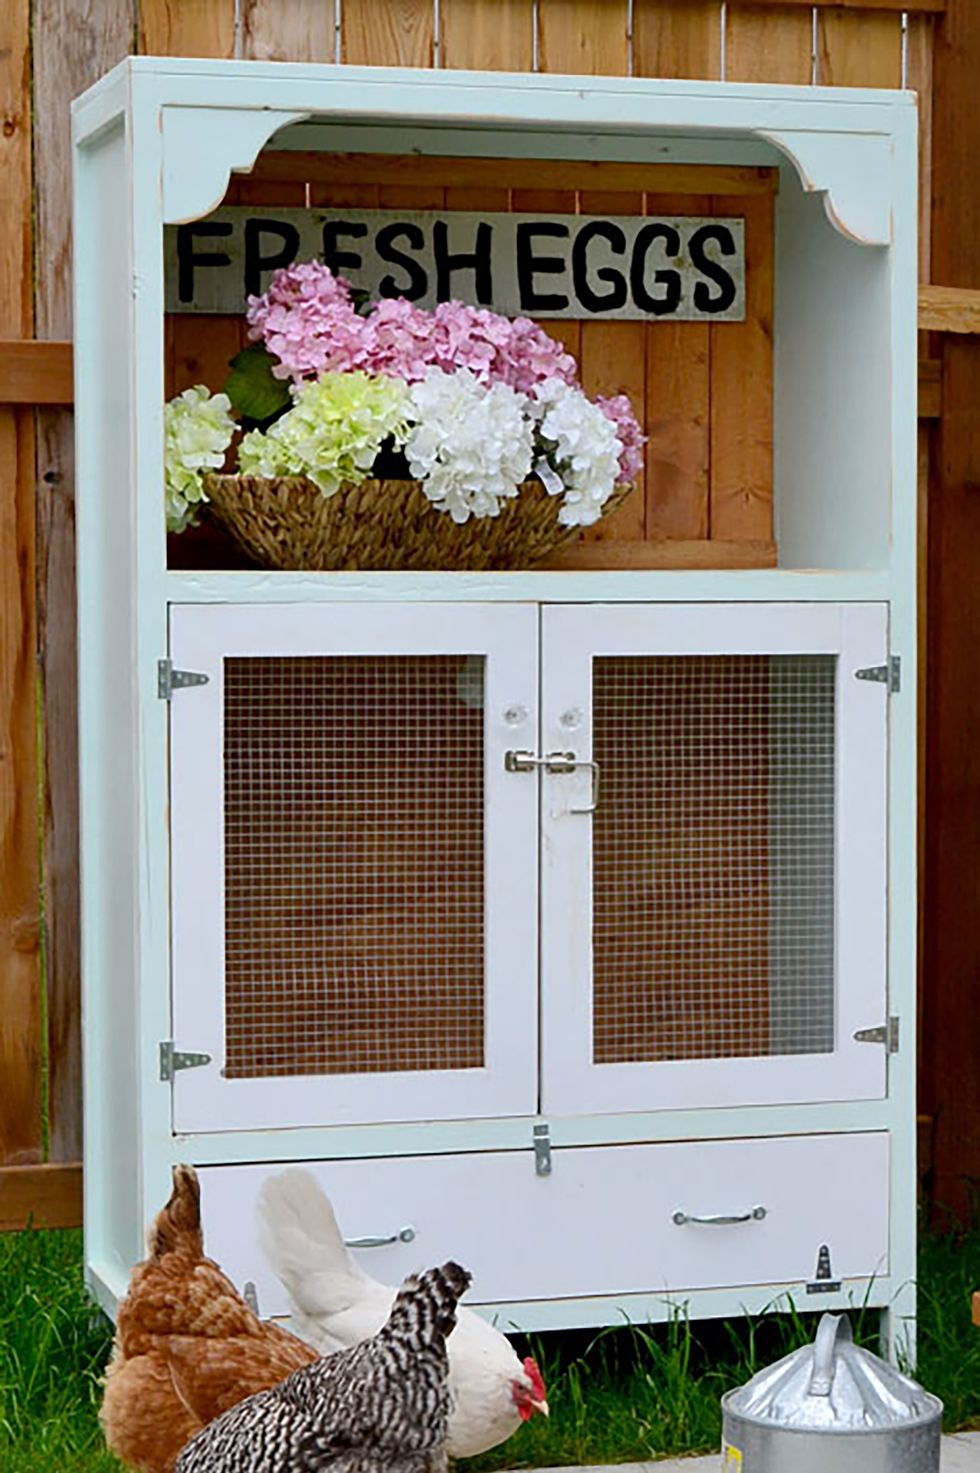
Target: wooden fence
[(50, 51)]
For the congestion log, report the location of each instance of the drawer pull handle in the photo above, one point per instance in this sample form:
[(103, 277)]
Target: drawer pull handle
[(719, 1219), (404, 1235)]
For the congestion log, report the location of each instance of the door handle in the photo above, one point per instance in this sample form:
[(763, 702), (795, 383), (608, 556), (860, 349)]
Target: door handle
[(719, 1219), (404, 1235), (557, 762)]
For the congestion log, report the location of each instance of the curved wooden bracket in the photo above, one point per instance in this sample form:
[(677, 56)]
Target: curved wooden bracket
[(854, 175), (203, 146)]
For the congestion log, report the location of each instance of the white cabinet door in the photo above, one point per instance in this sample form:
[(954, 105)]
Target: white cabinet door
[(354, 874), (714, 932)]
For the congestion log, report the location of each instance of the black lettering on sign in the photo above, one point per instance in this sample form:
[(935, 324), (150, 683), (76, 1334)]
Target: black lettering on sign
[(188, 258), (256, 262), (333, 256), (418, 281), (478, 261), (704, 299), (590, 299), (668, 279), (529, 265)]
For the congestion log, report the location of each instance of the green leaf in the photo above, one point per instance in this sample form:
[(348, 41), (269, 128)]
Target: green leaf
[(251, 387)]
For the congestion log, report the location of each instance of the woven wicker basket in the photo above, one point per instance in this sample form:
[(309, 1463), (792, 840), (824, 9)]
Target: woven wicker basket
[(285, 523)]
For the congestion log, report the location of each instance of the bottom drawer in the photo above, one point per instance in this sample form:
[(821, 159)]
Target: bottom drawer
[(602, 1223)]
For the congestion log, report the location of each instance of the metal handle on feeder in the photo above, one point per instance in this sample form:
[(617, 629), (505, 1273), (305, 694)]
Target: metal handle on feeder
[(832, 1329)]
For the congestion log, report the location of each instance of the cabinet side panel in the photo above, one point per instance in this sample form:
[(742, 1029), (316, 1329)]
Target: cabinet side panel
[(107, 699)]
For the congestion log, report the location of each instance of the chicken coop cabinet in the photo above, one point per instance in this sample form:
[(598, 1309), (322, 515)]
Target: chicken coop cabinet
[(581, 896)]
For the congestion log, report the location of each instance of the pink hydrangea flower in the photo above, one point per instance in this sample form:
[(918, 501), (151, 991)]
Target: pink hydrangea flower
[(400, 339), (631, 438), (306, 320)]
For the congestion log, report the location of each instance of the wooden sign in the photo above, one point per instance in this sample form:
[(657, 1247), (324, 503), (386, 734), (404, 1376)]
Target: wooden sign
[(633, 267)]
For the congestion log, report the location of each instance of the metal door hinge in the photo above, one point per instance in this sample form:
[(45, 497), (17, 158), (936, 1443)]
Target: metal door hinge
[(886, 1033), (169, 679), (172, 1059), (542, 1150), (889, 675), (823, 1282)]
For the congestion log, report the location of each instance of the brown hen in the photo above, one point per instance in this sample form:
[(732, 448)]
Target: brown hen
[(187, 1346)]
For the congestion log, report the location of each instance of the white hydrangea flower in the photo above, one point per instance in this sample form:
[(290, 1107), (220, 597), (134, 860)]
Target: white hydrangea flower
[(197, 430), (470, 445), (582, 448)]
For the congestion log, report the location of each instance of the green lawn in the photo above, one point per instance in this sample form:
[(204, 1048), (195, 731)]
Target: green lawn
[(618, 1395)]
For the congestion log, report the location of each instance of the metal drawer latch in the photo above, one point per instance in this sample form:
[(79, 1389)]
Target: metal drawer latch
[(542, 1150), (823, 1281)]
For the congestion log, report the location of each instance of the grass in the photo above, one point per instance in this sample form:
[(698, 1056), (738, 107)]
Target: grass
[(618, 1395)]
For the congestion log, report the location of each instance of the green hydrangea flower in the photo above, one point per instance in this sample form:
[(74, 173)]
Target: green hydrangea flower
[(333, 432), (197, 429)]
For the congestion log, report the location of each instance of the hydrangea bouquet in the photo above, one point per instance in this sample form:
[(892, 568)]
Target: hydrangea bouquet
[(469, 404)]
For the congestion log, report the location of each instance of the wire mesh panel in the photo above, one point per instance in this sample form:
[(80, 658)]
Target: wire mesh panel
[(354, 864), (713, 854)]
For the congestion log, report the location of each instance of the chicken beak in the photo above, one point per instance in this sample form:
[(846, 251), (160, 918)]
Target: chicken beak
[(542, 1407)]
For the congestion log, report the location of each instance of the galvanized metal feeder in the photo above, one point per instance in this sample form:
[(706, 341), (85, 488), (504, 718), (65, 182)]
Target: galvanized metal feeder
[(829, 1406)]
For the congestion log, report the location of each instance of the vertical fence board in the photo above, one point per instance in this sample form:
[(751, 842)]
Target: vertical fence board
[(20, 1022), (741, 353), (73, 45), (498, 37), (581, 37), (394, 33), (187, 27), (919, 64), (767, 45), (303, 30), (671, 40), (859, 49)]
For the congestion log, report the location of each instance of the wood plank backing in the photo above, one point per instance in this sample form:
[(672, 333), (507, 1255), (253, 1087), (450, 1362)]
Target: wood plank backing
[(20, 981), (359, 168), (498, 37), (187, 27), (678, 415), (73, 45), (303, 30), (859, 50), (923, 7), (396, 33), (677, 40), (48, 1196), (949, 309), (766, 45), (613, 362), (578, 36), (741, 392)]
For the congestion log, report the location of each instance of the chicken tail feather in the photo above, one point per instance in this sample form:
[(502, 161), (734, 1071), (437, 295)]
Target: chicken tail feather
[(425, 1307), (178, 1223), (299, 1236)]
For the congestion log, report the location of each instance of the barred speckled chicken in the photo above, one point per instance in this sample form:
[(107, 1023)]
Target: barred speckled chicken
[(379, 1407)]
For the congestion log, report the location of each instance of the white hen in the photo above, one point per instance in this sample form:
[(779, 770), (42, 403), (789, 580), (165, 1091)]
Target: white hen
[(336, 1304)]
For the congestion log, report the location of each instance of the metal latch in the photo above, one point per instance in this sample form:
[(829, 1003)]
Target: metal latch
[(823, 1281), (172, 1059), (169, 679), (886, 1033), (251, 1296), (542, 1150), (519, 761), (889, 675)]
